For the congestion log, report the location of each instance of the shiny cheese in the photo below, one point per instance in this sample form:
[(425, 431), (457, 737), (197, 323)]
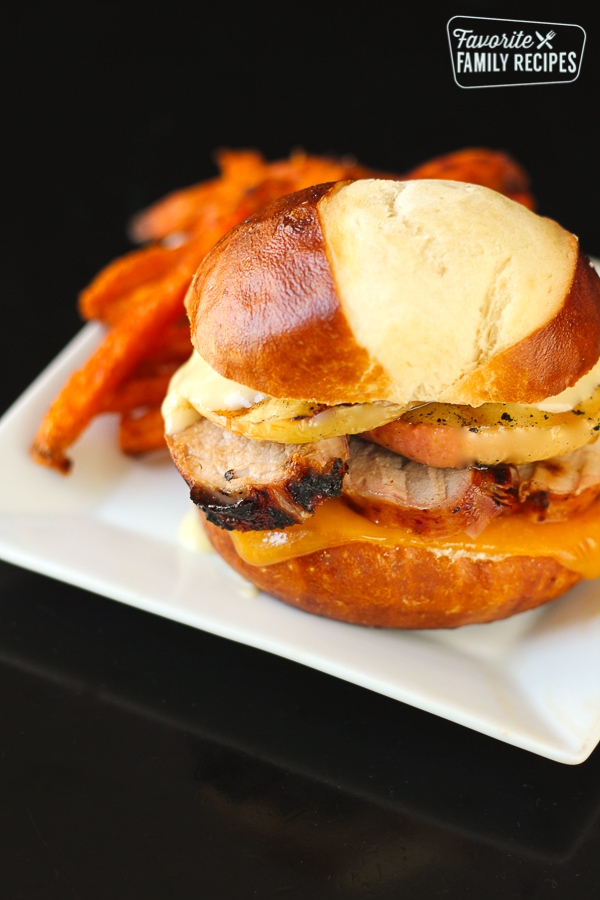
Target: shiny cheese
[(574, 544), (575, 395), (196, 390)]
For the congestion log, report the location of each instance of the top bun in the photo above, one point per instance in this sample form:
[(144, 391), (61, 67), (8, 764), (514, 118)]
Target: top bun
[(399, 291)]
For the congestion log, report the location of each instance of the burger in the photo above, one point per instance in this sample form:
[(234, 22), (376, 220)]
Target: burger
[(390, 414)]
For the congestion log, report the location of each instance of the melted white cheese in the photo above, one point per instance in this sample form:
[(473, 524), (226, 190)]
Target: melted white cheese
[(574, 395), (196, 389)]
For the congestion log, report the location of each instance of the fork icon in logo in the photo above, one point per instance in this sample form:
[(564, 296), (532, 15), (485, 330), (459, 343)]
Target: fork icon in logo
[(545, 41)]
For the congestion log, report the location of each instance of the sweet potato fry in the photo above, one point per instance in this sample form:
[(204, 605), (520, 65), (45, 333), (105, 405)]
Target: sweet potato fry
[(139, 434), (173, 347), (103, 298), (139, 393), (179, 211), (85, 393)]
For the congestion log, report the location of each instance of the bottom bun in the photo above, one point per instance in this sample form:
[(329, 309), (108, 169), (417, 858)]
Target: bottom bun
[(403, 587)]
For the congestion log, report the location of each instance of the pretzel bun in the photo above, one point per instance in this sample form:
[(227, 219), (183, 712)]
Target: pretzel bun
[(403, 587), (398, 291), (378, 293)]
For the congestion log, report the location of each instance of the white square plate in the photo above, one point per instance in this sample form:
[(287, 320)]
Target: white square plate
[(113, 525)]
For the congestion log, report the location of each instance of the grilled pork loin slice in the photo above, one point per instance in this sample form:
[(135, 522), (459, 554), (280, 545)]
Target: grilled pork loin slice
[(392, 490), (555, 489), (389, 489), (251, 485)]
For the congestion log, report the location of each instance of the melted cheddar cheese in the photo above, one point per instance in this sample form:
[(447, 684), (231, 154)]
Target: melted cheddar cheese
[(574, 544)]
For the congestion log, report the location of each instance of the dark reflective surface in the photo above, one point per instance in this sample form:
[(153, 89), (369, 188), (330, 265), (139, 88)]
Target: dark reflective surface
[(141, 758)]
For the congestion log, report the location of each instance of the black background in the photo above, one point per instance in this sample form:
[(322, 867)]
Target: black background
[(139, 758)]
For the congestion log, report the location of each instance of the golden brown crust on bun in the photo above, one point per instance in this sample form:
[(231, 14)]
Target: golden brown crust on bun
[(398, 291), (403, 587), (264, 310), (536, 367)]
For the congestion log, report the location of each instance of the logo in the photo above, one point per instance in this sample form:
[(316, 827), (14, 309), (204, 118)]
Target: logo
[(507, 52)]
